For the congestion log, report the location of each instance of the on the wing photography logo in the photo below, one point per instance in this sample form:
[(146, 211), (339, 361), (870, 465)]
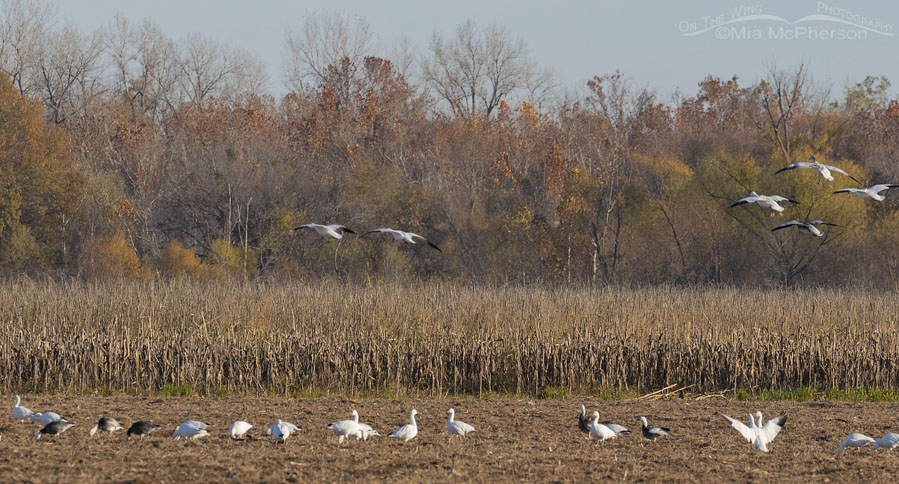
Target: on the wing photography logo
[(750, 22)]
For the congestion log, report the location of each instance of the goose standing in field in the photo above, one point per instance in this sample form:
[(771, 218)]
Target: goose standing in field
[(409, 431), (399, 235), (599, 431), (765, 201), (457, 427), (334, 231), (54, 428), (822, 169), (757, 434), (366, 431), (19, 412), (141, 429), (281, 430), (810, 227), (106, 424), (652, 433), (584, 422), (347, 428), (889, 441), (856, 441), (191, 430), (238, 429), (871, 193), (46, 418)]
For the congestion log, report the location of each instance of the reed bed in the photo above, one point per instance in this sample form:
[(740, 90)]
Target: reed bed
[(440, 339)]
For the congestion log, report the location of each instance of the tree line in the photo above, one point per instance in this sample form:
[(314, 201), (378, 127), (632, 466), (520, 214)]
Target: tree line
[(124, 153)]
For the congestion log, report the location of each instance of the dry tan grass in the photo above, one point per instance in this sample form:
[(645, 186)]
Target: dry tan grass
[(440, 339)]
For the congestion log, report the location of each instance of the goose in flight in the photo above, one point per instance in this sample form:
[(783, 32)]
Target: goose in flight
[(106, 424), (765, 201), (347, 428), (54, 428), (888, 441), (810, 227), (141, 429), (599, 431), (399, 235), (856, 441), (652, 433), (409, 431), (756, 433), (335, 231), (823, 170), (20, 413), (238, 429), (871, 193), (457, 427)]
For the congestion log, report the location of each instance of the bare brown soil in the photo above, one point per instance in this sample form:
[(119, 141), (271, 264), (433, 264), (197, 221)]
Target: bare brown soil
[(516, 441)]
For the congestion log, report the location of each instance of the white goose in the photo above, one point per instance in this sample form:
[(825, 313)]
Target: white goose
[(889, 441), (347, 428), (399, 235), (599, 431), (822, 169), (238, 429), (409, 431), (765, 201), (21, 413), (334, 231), (810, 227), (46, 418), (856, 441), (281, 430), (756, 433), (870, 193), (457, 427), (191, 429)]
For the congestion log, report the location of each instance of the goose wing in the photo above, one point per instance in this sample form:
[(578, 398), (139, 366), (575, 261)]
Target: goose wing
[(881, 187), (801, 164), (773, 427), (416, 236), (744, 430), (778, 198), (340, 228), (783, 226), (838, 170), (749, 199)]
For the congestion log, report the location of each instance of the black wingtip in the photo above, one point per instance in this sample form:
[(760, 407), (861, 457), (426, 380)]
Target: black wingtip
[(349, 231), (434, 246), (792, 201), (782, 169)]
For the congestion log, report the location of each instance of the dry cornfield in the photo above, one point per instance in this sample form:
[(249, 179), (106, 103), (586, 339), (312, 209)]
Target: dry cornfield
[(439, 339)]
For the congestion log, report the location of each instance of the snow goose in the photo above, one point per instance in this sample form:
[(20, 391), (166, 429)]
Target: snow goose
[(889, 441), (347, 428), (19, 412), (281, 430), (46, 418), (871, 193), (54, 428), (810, 227), (583, 422), (409, 431), (457, 427), (191, 430), (238, 429), (856, 441), (141, 429), (765, 201), (757, 434), (399, 235), (334, 231), (599, 431), (822, 169), (106, 424), (652, 433)]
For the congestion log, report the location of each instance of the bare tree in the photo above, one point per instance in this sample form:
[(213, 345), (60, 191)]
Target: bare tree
[(211, 68), (324, 40), (781, 96), (22, 30), (68, 69), (144, 65), (478, 68)]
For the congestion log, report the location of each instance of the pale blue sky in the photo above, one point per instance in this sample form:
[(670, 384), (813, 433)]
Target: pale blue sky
[(578, 39)]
